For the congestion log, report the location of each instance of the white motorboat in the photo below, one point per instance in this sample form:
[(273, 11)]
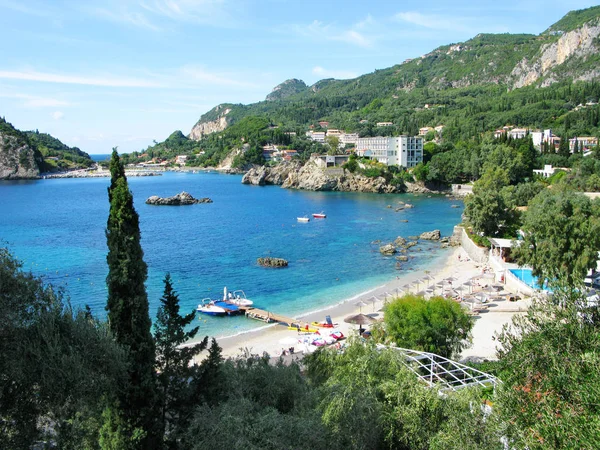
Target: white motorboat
[(303, 219), (208, 307), (237, 298)]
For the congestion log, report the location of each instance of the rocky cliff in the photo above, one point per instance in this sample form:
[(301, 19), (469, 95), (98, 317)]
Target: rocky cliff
[(18, 160), (578, 44), (312, 177), (211, 122)]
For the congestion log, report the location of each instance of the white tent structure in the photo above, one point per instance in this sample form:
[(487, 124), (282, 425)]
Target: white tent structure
[(447, 375)]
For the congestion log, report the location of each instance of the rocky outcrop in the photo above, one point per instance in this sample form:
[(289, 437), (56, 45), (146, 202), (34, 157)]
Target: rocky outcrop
[(287, 88), (177, 200), (204, 127), (276, 175), (387, 249), (313, 177), (272, 262), (17, 159), (577, 43), (431, 235)]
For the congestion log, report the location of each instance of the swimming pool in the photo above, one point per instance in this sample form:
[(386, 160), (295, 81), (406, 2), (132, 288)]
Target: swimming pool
[(526, 276)]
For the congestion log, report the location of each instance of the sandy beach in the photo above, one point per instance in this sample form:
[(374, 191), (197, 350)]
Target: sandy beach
[(273, 338)]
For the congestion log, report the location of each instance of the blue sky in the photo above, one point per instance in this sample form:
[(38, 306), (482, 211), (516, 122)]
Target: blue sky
[(99, 74)]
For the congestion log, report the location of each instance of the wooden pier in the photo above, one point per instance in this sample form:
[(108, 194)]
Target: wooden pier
[(269, 317)]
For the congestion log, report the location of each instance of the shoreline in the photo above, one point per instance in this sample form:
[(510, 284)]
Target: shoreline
[(269, 338)]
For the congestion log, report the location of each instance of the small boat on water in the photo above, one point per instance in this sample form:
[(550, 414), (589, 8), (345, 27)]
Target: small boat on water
[(207, 306), (237, 298), (320, 215), (303, 219), (217, 308)]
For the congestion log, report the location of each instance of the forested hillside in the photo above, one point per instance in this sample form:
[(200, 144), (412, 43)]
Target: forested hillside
[(58, 155), (24, 154), (470, 88)]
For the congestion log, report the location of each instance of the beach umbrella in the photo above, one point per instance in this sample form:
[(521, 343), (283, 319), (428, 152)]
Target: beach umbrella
[(373, 300), (360, 320), (360, 304), (469, 284), (406, 287)]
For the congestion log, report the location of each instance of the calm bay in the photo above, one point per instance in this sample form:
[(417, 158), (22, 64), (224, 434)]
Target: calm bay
[(56, 228)]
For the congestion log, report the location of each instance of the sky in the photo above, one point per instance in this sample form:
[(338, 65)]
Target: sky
[(123, 73)]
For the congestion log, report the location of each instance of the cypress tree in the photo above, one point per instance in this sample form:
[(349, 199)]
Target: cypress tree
[(176, 375), (127, 308)]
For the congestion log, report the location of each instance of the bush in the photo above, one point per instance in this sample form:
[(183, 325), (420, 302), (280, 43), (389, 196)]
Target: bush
[(437, 325)]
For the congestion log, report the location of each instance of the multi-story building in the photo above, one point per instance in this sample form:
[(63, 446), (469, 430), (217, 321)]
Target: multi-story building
[(317, 136), (349, 138), (405, 151)]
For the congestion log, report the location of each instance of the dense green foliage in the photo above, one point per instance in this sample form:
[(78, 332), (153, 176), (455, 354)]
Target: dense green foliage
[(127, 307), (574, 19), (50, 147), (370, 400), (561, 235), (58, 367), (550, 366), (437, 325)]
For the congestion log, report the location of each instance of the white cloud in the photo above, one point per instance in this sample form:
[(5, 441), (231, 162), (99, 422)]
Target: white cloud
[(155, 14), (76, 79), (318, 30), (124, 16), (458, 24), (338, 74), (57, 115), (33, 101), (212, 12)]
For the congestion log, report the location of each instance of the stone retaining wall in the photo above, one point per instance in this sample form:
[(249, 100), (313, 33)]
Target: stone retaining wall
[(476, 253)]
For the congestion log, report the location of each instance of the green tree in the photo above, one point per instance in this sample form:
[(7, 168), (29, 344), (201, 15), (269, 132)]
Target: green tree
[(127, 306), (269, 407), (421, 171), (333, 144), (550, 366), (561, 235), (488, 210), (563, 147), (437, 325), (173, 361), (57, 365)]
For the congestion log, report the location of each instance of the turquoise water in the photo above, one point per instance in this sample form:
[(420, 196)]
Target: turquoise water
[(526, 276), (56, 227)]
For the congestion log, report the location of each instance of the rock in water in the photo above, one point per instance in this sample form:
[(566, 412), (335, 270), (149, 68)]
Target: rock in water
[(430, 235), (400, 241), (272, 262), (177, 200), (387, 249)]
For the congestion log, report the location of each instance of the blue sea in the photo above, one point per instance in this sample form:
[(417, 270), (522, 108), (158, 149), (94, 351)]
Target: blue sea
[(56, 228)]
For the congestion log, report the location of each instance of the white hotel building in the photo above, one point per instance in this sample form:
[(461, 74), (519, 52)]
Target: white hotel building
[(405, 151)]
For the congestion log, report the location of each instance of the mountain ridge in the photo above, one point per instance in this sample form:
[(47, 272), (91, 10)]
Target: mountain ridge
[(567, 50)]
